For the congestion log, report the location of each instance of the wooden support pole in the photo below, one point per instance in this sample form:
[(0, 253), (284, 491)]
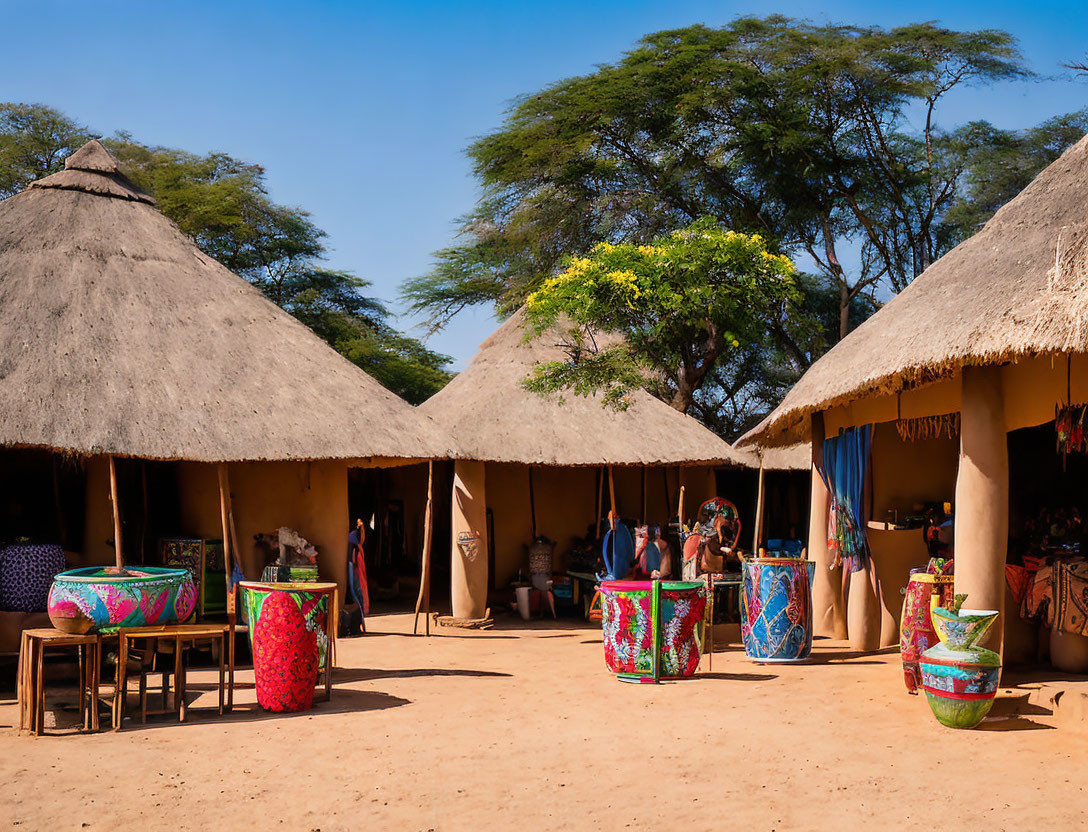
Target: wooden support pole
[(532, 503), (117, 553), (612, 516), (232, 611), (424, 599), (642, 520), (757, 532), (680, 511)]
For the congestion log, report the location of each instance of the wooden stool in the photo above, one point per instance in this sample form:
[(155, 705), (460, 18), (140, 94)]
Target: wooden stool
[(180, 637), (31, 681)]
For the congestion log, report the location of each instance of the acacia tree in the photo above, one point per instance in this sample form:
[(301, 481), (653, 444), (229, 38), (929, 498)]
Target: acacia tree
[(34, 141), (664, 315), (771, 125)]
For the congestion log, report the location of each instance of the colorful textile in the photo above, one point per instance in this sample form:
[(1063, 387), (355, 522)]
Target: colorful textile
[(776, 609), (1019, 579), (289, 637), (916, 633), (1056, 596), (845, 469), (26, 573)]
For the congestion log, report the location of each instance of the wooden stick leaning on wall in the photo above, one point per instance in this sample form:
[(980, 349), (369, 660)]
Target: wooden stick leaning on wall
[(757, 532), (232, 611), (117, 553), (424, 599)]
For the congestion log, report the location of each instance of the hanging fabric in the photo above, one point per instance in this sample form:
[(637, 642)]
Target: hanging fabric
[(846, 466)]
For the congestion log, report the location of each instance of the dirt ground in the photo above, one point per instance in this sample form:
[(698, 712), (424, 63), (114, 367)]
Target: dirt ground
[(522, 727)]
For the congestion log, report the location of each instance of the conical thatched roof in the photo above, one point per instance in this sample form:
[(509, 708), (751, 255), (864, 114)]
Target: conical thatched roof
[(1018, 288), (493, 418), (118, 335)]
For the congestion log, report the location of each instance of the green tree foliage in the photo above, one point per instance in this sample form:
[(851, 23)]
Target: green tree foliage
[(830, 141), (1002, 164), (663, 315), (223, 205), (34, 141), (772, 125)]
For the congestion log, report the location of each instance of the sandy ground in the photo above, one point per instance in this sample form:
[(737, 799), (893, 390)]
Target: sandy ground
[(522, 727)]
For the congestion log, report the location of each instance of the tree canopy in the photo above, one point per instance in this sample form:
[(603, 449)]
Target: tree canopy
[(223, 204), (829, 141)]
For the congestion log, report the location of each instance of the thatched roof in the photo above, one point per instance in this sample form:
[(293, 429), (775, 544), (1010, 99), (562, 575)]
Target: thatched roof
[(1018, 288), (118, 335), (493, 418), (794, 458)]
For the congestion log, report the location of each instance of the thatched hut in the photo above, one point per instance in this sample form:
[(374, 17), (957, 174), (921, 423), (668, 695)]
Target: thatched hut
[(960, 377), (528, 464), (120, 339)]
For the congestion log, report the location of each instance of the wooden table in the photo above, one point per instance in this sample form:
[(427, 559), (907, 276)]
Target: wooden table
[(31, 681), (180, 635)]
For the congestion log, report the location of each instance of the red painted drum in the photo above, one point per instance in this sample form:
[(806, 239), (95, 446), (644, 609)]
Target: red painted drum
[(630, 616), (288, 632), (916, 633)]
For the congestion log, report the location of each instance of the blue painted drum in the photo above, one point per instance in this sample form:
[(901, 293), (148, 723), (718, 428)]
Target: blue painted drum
[(776, 609)]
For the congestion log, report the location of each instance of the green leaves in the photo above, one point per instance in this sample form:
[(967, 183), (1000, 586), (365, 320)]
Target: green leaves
[(659, 316)]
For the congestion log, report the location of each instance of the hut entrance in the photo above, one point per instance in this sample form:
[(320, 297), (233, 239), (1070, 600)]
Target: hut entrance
[(1047, 560), (391, 503)]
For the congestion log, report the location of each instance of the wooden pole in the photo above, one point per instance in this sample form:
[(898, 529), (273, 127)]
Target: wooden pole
[(232, 610), (757, 532), (532, 502), (680, 511), (612, 517), (424, 599), (600, 499), (117, 553), (642, 520)]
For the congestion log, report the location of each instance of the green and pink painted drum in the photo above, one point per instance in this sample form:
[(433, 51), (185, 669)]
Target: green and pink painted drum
[(653, 632), (288, 633), (959, 677), (103, 599)]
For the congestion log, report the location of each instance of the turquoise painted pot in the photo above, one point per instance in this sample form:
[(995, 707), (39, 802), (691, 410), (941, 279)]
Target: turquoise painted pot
[(776, 609), (960, 685), (98, 599)]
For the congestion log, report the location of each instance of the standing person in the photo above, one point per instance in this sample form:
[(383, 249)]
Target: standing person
[(357, 574)]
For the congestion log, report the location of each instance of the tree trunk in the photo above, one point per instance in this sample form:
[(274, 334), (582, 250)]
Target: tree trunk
[(844, 310)]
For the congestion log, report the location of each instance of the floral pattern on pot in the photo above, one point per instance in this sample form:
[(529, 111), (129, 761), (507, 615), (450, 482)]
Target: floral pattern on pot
[(289, 636), (916, 633), (98, 599)]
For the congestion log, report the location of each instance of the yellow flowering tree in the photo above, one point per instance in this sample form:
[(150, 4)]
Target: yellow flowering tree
[(662, 316)]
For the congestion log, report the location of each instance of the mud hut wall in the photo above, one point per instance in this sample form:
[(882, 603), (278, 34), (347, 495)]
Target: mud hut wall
[(310, 497), (98, 518)]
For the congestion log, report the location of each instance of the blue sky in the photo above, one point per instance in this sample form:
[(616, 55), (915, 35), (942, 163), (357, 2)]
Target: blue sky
[(360, 112)]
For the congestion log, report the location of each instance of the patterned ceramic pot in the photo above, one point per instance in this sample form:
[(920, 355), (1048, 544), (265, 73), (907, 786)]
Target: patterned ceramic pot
[(960, 684), (916, 633), (97, 599), (26, 573), (288, 633), (629, 620), (776, 609), (960, 679)]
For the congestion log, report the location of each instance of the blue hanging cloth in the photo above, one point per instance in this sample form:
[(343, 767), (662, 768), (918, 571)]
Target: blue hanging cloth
[(618, 552), (845, 472)]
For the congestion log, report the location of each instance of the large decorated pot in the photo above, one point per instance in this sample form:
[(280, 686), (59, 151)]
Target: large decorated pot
[(288, 633), (26, 573), (959, 677), (916, 633), (776, 609), (648, 627), (103, 599)]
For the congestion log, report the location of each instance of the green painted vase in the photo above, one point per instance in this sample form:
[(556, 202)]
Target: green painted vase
[(959, 677)]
